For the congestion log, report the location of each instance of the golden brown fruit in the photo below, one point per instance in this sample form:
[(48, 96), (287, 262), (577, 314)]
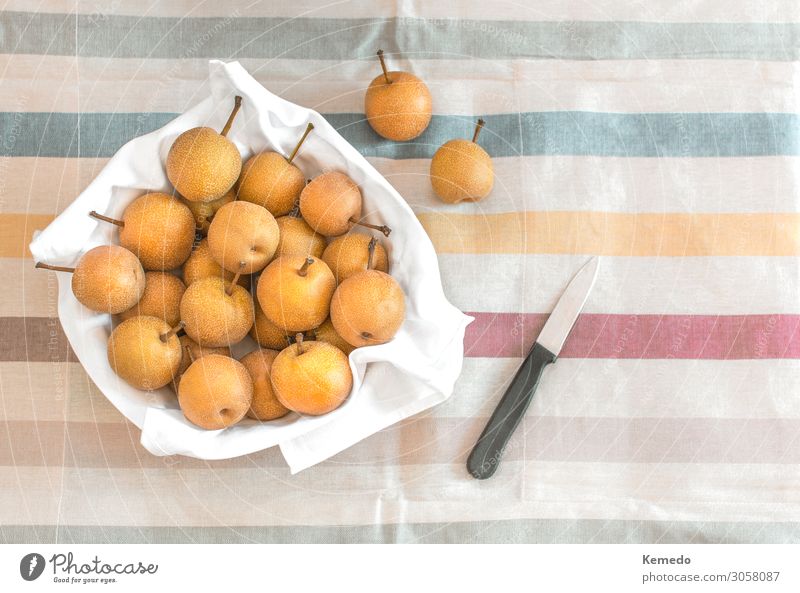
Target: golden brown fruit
[(145, 352), (192, 351), (311, 377), (266, 333), (202, 164), (270, 181), (349, 254), (202, 265), (297, 238), (162, 298), (327, 333), (215, 392), (265, 406), (462, 171), (243, 232), (330, 203), (204, 212), (212, 316), (108, 279), (368, 308), (397, 105), (158, 229), (295, 292)]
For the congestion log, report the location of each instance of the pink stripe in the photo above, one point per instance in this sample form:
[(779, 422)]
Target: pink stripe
[(713, 337)]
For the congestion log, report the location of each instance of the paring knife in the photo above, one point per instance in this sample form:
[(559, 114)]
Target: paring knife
[(485, 457)]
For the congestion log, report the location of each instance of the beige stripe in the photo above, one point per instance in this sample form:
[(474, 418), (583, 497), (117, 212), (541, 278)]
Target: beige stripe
[(619, 389), (609, 184), (50, 83), (29, 496), (544, 10), (381, 494)]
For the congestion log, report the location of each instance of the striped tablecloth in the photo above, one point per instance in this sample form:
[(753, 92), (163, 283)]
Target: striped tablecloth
[(662, 135)]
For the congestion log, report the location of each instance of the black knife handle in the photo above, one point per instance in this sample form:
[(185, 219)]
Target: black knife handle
[(485, 456)]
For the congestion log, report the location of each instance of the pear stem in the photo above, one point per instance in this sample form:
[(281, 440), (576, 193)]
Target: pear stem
[(303, 271), (382, 228), (42, 266), (237, 103), (189, 354), (371, 249), (478, 130), (98, 216), (295, 211), (309, 127), (172, 332), (383, 65), (298, 339), (229, 290)]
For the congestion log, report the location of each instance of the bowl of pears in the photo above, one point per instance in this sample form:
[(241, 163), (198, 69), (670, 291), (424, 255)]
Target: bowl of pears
[(243, 277)]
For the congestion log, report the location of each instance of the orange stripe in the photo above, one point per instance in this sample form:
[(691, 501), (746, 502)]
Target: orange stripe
[(602, 233), (16, 232), (619, 234)]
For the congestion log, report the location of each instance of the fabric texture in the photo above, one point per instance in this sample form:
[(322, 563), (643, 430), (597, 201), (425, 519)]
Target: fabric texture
[(663, 136)]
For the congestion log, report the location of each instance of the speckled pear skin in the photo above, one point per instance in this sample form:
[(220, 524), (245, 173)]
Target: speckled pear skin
[(139, 356), (399, 110), (327, 333), (461, 170), (270, 181), (203, 165), (202, 265), (293, 302), (212, 317), (368, 308), (108, 279), (162, 298), (329, 202), (159, 230), (348, 255), (266, 333), (243, 232), (265, 405), (204, 212), (311, 378), (297, 238), (215, 392)]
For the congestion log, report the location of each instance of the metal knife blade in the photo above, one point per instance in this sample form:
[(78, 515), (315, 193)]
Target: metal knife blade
[(559, 324), (486, 455)]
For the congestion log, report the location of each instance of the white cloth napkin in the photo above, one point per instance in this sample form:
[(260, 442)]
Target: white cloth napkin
[(411, 373)]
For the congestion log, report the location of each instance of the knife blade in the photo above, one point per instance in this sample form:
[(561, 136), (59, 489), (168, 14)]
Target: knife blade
[(488, 450)]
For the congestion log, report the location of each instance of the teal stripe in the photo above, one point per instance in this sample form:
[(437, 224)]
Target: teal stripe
[(345, 39), (545, 133), (508, 531)]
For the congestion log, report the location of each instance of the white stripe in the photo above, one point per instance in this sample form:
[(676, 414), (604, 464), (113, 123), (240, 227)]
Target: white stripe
[(459, 87), (372, 494), (542, 10), (557, 183), (609, 388), (625, 285), (595, 388)]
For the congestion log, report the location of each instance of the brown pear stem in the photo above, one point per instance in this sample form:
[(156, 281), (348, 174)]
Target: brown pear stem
[(382, 228), (309, 127), (371, 249), (237, 103), (295, 211), (298, 339), (189, 355), (383, 66), (229, 290), (172, 332), (42, 266), (478, 130), (303, 271), (98, 216)]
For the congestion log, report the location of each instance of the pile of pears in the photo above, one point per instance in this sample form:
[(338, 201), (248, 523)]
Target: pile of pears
[(242, 249)]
